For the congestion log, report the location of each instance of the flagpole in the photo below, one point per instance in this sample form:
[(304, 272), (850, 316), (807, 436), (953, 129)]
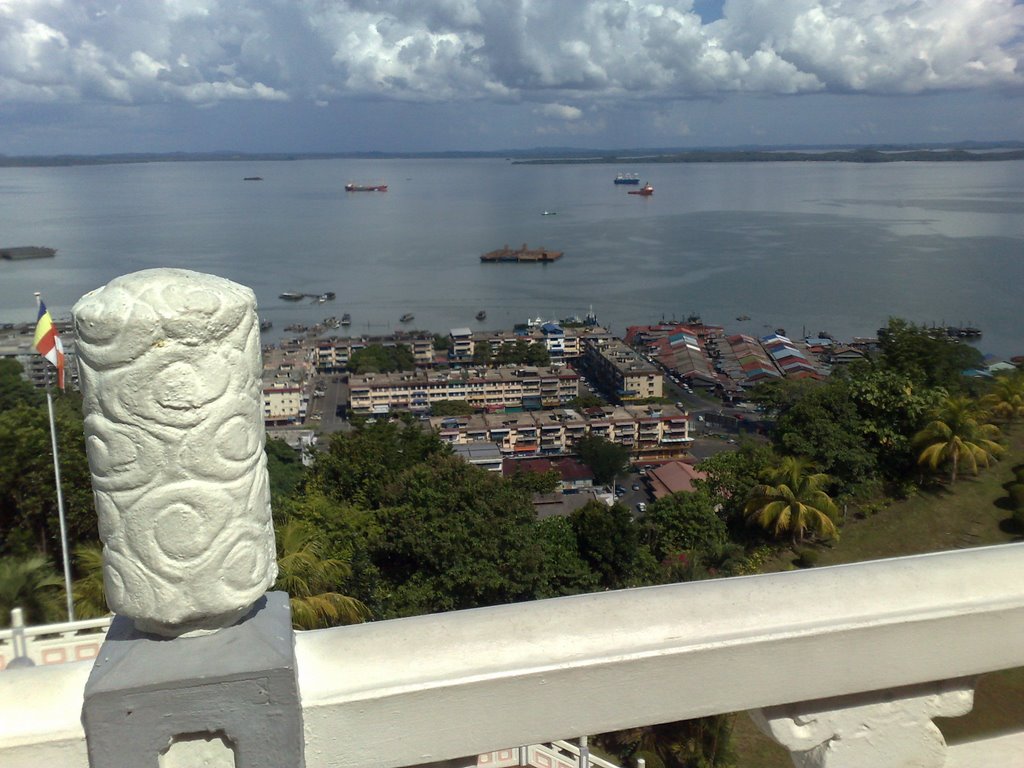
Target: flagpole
[(60, 499)]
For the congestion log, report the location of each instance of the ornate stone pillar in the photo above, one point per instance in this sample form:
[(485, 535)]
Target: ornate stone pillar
[(170, 374), (199, 664), (878, 729)]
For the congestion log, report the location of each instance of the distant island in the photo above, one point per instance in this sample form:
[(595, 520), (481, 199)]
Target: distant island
[(965, 151)]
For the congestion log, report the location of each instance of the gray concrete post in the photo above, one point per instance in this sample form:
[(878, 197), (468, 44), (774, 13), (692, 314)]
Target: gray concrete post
[(235, 688)]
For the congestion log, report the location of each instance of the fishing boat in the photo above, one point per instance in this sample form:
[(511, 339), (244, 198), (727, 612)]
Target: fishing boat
[(627, 178), (549, 213), (481, 315), (366, 187), (266, 325), (407, 317), (646, 190), (346, 319), (292, 296)]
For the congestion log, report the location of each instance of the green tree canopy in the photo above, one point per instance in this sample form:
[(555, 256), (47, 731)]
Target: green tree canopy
[(566, 572), (377, 358), (731, 475), (820, 420), (684, 521), (926, 357), (793, 502), (890, 409), (608, 540), (32, 584), (285, 468), (311, 579), (29, 521), (958, 436), (1005, 399), (605, 458), (454, 536), (451, 408), (15, 389)]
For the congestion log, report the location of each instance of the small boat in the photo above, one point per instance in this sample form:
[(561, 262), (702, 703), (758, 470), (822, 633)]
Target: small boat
[(328, 295), (549, 213), (266, 325), (407, 317), (253, 178), (627, 178), (295, 328), (646, 190), (481, 315), (332, 322), (741, 318), (366, 187), (292, 296), (346, 319)]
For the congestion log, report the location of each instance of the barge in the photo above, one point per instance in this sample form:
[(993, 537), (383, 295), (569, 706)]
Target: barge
[(522, 254), (22, 252)]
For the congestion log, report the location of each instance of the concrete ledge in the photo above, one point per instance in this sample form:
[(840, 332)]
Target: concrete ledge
[(40, 716)]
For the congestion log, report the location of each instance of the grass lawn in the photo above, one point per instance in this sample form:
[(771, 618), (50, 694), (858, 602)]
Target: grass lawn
[(972, 513)]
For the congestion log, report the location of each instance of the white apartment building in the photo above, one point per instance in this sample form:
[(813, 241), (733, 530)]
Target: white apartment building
[(493, 389), (622, 371), (649, 432), (286, 385)]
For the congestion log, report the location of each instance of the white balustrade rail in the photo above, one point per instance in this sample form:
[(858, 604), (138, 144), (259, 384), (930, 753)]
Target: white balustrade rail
[(830, 643), (57, 643)]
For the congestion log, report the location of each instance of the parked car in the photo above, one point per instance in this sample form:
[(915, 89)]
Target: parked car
[(636, 486), (641, 507)]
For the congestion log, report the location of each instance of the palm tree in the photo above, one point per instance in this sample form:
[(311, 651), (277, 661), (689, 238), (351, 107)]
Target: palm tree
[(1006, 398), (310, 579), (793, 500), (958, 434), (30, 583), (90, 599)]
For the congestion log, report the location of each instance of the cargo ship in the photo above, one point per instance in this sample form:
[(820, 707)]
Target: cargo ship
[(627, 178), (366, 187), (646, 190), (541, 255)]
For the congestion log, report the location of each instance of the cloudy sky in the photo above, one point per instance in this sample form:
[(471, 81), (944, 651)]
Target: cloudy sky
[(93, 76)]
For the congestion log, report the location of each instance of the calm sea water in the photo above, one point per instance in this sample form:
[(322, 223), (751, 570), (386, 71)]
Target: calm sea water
[(804, 246)]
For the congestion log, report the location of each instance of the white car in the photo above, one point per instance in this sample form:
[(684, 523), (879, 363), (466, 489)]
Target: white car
[(641, 507)]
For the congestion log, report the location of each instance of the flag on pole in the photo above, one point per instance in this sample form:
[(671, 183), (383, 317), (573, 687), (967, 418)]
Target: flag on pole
[(47, 342)]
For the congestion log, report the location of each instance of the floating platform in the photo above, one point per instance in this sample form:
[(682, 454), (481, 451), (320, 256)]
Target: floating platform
[(21, 252), (541, 255)]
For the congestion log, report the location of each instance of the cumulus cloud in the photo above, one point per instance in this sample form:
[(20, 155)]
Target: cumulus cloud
[(561, 111), (552, 53)]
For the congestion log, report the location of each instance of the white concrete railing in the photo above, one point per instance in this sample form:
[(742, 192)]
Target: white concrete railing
[(834, 647), (56, 643)]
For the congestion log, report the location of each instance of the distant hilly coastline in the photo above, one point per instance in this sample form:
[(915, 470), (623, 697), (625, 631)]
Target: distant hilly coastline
[(966, 151)]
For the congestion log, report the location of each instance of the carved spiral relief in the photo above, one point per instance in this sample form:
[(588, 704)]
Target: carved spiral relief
[(169, 362)]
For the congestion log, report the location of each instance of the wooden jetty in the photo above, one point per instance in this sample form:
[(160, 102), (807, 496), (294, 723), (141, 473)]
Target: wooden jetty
[(541, 255)]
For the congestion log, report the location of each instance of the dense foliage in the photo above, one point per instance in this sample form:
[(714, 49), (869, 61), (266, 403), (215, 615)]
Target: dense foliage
[(377, 358)]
